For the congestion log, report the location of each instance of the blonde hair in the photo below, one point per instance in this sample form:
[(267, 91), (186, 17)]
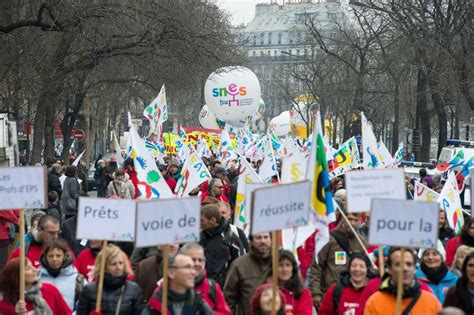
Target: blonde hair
[(462, 248), (110, 252)]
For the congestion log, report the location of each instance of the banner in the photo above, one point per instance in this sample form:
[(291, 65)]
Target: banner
[(193, 173), (451, 203)]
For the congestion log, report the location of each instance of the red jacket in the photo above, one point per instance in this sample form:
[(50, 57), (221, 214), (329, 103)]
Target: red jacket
[(301, 306), (451, 248), (373, 286), (220, 198), (226, 191), (34, 254), (349, 301), (7, 217), (134, 178), (85, 263), (50, 294), (220, 307)]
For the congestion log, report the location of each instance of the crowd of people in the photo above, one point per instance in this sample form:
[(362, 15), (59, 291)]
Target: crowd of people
[(226, 272)]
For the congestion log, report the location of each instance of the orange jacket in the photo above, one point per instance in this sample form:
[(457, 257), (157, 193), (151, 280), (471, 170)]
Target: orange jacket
[(384, 303)]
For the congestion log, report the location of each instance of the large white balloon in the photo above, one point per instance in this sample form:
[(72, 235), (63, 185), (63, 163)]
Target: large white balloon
[(232, 93), (280, 125), (207, 119)]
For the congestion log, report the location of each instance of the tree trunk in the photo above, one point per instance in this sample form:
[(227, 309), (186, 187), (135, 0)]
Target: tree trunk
[(439, 104), (87, 128), (396, 123), (422, 118), (49, 133)]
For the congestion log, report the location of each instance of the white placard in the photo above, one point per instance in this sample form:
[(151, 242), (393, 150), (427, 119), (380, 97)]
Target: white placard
[(168, 221), (363, 186), (23, 188), (281, 207), (404, 223), (106, 219)]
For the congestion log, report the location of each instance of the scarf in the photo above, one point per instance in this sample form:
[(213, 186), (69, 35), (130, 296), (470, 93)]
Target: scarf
[(387, 286), (40, 306), (55, 272), (188, 303), (435, 275), (113, 282), (467, 240)]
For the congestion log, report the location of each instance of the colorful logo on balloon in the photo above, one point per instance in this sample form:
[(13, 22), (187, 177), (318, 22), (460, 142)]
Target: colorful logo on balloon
[(232, 90)]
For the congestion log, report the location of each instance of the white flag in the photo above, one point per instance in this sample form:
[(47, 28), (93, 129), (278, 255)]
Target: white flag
[(423, 193), (268, 167), (78, 159), (246, 175), (151, 183), (193, 174), (451, 203), (369, 145), (385, 157), (157, 112), (117, 151), (294, 163)]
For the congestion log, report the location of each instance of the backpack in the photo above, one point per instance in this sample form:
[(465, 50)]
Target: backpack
[(212, 291), (336, 296)]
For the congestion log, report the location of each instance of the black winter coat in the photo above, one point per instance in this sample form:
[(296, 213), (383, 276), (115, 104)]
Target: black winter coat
[(132, 298), (54, 184)]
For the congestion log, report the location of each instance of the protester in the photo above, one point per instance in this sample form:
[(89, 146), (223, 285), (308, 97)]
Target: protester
[(465, 238), (169, 180), (86, 259), (262, 301), (334, 256), (232, 231), (221, 174), (219, 254), (445, 233), (54, 207), (121, 186), (434, 271), (41, 298), (57, 269), (460, 295), (100, 178), (297, 297), (132, 174), (150, 270), (8, 219), (119, 296), (247, 272), (414, 300), (174, 170), (48, 230), (71, 192), (461, 254), (181, 296), (209, 289), (215, 190), (343, 297), (54, 184)]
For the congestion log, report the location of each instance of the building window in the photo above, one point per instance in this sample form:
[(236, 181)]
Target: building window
[(255, 40), (269, 38), (297, 52), (332, 17), (269, 53), (262, 35), (279, 38), (261, 54), (275, 53), (254, 54)]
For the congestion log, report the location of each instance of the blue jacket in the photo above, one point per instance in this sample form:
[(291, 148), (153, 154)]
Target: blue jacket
[(440, 289), (65, 282)]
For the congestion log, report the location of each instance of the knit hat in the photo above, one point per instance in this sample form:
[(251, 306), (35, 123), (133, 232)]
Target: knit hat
[(439, 248), (255, 300)]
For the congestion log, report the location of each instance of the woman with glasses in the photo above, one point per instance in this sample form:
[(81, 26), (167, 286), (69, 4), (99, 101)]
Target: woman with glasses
[(119, 295)]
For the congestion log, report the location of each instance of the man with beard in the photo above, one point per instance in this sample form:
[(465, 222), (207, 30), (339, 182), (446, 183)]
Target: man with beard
[(333, 258), (247, 273), (210, 291)]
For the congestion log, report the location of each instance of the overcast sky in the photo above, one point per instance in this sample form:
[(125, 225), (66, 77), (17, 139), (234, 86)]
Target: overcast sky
[(242, 11)]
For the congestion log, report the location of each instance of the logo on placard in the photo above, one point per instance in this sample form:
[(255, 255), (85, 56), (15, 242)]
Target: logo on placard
[(340, 258)]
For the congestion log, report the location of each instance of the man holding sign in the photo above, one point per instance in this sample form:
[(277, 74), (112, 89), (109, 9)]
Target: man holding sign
[(415, 301)]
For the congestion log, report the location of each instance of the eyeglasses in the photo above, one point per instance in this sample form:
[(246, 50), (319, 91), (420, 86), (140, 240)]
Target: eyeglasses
[(183, 267)]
